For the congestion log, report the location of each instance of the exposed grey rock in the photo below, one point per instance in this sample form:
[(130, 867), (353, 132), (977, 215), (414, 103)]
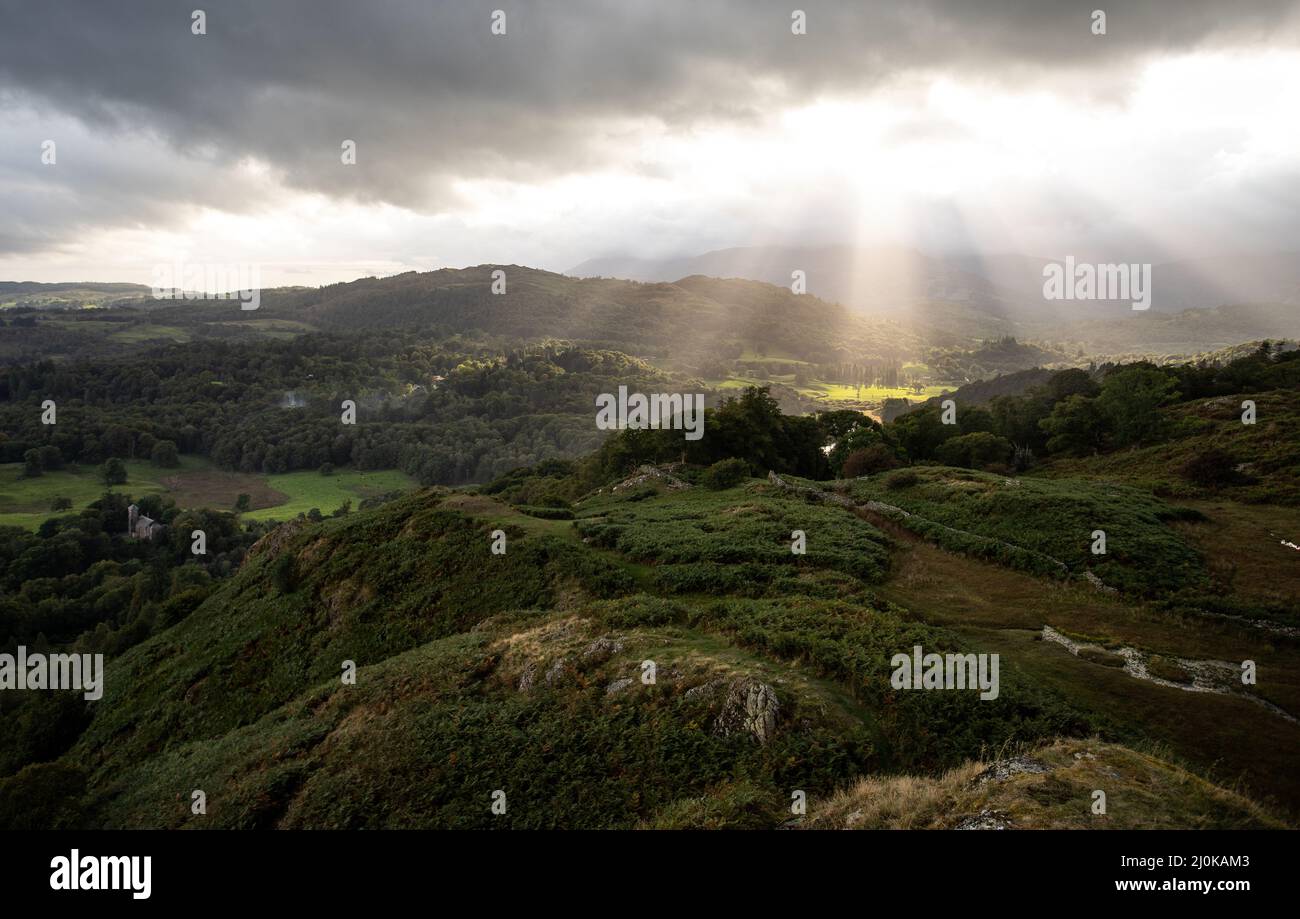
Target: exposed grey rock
[(1098, 583), (602, 649), (646, 473), (804, 491), (1207, 675), (556, 671), (1004, 769), (985, 820), (751, 708), (528, 678), (618, 686), (704, 689)]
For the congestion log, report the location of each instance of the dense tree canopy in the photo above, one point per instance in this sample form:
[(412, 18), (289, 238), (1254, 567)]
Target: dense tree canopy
[(444, 413)]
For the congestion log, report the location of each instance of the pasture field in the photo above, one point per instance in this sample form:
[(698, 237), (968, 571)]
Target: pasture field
[(306, 490), (28, 502)]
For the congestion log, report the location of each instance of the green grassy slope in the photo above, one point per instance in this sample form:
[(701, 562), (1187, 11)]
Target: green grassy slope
[(1267, 451), (1050, 518), (519, 671), (722, 543), (523, 673), (327, 493)]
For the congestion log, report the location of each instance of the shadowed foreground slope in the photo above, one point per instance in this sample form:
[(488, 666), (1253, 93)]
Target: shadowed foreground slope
[(620, 670)]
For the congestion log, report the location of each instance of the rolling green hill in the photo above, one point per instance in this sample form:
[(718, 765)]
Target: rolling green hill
[(1264, 453), (524, 673), (518, 671), (32, 295), (1036, 523)]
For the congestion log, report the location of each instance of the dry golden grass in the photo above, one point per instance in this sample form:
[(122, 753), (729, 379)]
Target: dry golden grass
[(1142, 792), (904, 802)]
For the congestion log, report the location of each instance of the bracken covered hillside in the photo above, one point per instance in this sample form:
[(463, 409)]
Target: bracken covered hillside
[(663, 660)]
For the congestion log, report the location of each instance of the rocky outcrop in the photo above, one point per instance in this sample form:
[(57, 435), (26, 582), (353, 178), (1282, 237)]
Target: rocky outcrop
[(1098, 583), (751, 708), (557, 672), (704, 690), (618, 686), (556, 652), (1004, 769), (985, 820), (645, 474), (274, 541), (1221, 677), (601, 650)]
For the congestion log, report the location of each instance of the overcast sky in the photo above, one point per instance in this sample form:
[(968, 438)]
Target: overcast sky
[(647, 128)]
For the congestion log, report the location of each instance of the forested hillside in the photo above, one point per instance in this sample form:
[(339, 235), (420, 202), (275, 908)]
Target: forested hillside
[(443, 411)]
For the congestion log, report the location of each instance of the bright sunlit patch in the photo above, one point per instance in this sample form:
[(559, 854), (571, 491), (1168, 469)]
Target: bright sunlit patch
[(995, 159)]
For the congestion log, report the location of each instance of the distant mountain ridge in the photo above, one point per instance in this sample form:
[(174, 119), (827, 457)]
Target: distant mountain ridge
[(887, 280), (687, 320), (73, 294), (691, 316), (38, 287)]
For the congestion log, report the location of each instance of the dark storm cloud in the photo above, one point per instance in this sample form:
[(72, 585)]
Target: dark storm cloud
[(430, 96)]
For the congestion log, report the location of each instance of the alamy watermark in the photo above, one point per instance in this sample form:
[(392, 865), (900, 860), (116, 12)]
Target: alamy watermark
[(946, 671), (53, 671), (180, 280), (103, 872), (1088, 281), (676, 411)]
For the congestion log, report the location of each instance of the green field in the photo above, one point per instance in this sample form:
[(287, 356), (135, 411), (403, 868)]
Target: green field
[(278, 329), (846, 392), (770, 357), (196, 483), (731, 383), (829, 393), (26, 502), (327, 493), (148, 331)]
